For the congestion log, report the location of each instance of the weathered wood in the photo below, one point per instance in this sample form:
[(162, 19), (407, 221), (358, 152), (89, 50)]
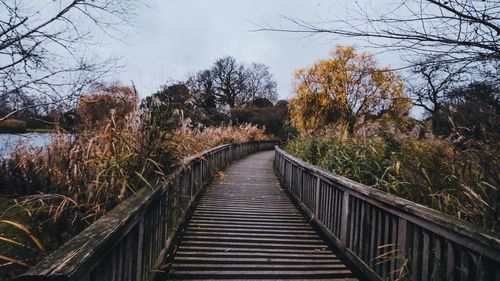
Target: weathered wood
[(101, 249), (417, 228), (245, 226)]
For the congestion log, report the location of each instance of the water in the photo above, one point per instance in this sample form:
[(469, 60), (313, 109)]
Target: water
[(8, 142)]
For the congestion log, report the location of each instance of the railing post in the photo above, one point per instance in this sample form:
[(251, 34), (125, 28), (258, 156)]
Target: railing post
[(316, 203), (301, 186), (402, 229), (140, 248), (191, 179), (345, 217)]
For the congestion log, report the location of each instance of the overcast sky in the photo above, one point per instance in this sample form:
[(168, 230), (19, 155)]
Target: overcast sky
[(175, 38)]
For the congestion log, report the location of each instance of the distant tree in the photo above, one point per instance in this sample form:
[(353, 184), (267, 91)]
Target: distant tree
[(170, 104), (259, 83), (107, 102), (262, 112), (261, 102), (229, 80), (473, 112), (433, 88), (345, 88), (430, 89), (229, 84), (202, 89)]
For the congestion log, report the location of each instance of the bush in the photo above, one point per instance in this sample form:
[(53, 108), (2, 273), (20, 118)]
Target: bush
[(106, 101), (13, 126)]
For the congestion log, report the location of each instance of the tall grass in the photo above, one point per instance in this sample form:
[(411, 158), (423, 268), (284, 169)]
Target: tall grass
[(188, 140), (73, 181), (433, 172)]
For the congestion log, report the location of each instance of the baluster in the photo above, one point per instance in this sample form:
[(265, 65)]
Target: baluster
[(345, 217), (140, 248), (316, 196)]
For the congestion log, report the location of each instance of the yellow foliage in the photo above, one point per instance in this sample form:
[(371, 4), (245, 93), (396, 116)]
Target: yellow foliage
[(344, 88), (105, 102)]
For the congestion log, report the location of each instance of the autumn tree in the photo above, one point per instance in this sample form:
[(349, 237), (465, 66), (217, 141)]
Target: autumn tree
[(347, 88), (106, 102)]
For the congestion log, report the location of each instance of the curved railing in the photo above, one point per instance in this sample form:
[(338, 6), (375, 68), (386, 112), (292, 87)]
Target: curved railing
[(388, 237), (131, 240)]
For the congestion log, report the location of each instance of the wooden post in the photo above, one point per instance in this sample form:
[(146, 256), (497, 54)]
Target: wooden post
[(345, 216), (402, 233), (316, 202), (300, 187), (140, 248), (191, 180)]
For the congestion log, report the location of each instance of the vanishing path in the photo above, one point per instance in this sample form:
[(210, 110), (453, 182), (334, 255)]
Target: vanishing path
[(245, 227)]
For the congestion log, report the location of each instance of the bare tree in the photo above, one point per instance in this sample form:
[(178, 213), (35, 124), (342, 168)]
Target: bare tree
[(455, 32), (229, 77), (201, 86), (434, 84), (260, 83), (229, 84), (45, 49)]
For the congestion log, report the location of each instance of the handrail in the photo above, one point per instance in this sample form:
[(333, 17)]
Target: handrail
[(386, 236), (132, 239)]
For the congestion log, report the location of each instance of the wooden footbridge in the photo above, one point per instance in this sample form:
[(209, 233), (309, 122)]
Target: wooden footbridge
[(270, 216)]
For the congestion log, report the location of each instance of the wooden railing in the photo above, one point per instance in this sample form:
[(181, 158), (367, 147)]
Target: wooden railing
[(387, 237), (131, 240)]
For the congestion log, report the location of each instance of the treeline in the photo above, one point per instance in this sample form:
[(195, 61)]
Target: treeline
[(227, 92)]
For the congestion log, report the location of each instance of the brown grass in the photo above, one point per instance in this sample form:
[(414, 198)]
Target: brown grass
[(76, 179), (188, 140)]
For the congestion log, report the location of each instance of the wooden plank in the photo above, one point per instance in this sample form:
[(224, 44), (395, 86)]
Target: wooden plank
[(373, 239), (426, 258), (316, 196), (262, 242), (450, 261), (345, 218)]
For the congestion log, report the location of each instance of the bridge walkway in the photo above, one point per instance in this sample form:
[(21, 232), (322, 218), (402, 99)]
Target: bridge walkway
[(246, 228)]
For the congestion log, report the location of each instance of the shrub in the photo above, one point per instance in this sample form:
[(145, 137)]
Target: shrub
[(13, 126), (106, 100)]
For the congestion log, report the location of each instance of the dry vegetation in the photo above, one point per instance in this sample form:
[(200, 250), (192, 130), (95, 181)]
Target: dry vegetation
[(189, 140), (451, 176), (73, 181)]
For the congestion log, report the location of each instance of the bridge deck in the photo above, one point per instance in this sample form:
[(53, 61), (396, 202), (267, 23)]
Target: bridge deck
[(245, 227)]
